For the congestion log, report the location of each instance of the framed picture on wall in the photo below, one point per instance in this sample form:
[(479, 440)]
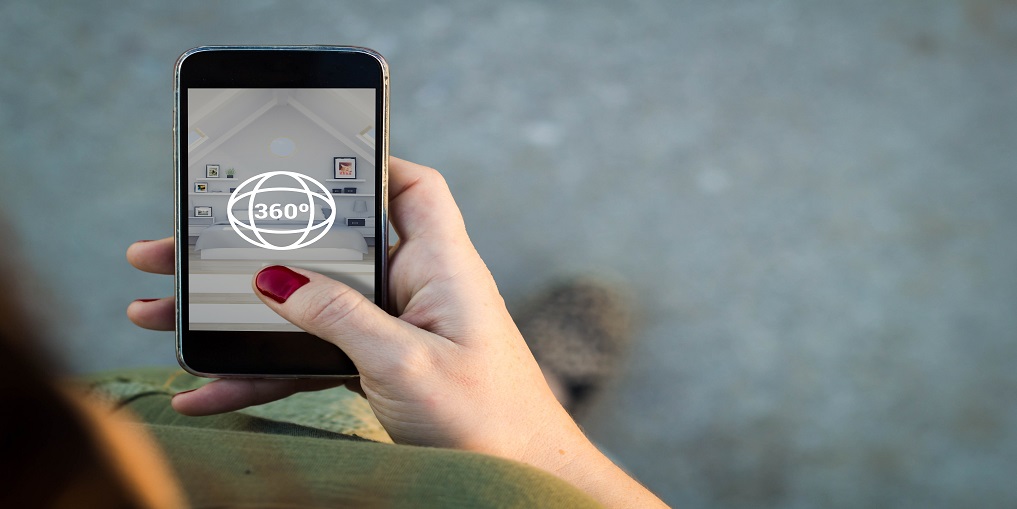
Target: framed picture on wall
[(202, 211), (211, 171), (345, 168), (201, 187)]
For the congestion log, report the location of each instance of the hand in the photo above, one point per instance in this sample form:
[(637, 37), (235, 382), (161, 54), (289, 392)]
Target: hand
[(450, 369)]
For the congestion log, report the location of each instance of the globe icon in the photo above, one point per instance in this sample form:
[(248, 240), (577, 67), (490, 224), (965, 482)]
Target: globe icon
[(284, 202)]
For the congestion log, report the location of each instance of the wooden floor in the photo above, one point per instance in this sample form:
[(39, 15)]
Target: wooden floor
[(224, 288)]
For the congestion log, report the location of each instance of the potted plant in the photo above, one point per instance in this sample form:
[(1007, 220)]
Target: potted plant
[(230, 172)]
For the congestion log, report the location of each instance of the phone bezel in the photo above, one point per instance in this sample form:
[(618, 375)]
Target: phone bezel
[(273, 354)]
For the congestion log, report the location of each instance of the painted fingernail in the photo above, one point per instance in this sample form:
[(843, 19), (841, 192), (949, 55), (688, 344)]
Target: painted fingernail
[(145, 300), (184, 392), (278, 282), (144, 241)]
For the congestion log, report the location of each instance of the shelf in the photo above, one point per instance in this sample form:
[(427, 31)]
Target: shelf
[(354, 194), (345, 180), (221, 193)]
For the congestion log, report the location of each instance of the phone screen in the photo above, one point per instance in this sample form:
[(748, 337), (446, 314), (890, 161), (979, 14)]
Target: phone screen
[(276, 176), (280, 160)]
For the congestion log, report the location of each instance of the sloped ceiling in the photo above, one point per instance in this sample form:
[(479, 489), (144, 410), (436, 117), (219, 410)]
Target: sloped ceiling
[(221, 114)]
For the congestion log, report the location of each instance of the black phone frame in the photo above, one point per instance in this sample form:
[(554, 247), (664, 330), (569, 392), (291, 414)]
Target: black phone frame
[(265, 354)]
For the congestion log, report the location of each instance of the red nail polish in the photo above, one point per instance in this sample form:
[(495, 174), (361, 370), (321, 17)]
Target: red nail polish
[(184, 392), (278, 282), (145, 300)]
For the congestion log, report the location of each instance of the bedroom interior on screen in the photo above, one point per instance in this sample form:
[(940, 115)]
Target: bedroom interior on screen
[(237, 136)]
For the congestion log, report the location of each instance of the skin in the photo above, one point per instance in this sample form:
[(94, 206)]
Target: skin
[(133, 453), (449, 369)]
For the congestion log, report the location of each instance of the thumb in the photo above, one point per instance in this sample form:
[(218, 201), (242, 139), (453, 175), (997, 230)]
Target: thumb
[(332, 311)]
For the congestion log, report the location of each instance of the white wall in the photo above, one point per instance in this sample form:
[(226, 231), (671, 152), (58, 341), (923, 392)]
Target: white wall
[(249, 154)]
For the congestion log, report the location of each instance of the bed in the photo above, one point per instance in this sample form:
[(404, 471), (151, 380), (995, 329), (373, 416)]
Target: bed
[(341, 243)]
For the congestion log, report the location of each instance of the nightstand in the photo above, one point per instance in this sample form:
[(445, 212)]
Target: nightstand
[(364, 225), (196, 225)]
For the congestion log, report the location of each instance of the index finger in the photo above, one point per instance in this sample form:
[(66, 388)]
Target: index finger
[(420, 203), (155, 256)]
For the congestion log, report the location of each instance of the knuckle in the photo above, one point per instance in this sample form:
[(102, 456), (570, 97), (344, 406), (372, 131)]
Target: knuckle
[(329, 307), (434, 177), (408, 364)]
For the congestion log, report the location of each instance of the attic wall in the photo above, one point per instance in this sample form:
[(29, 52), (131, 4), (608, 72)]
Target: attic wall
[(249, 154)]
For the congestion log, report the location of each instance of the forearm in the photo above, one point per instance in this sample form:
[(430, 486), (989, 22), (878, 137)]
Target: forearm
[(603, 480), (572, 457)]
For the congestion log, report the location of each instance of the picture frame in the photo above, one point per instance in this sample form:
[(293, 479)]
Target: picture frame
[(201, 187), (344, 168), (202, 211), (211, 171), (350, 190)]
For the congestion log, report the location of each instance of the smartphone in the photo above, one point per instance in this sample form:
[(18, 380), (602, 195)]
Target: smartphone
[(280, 157)]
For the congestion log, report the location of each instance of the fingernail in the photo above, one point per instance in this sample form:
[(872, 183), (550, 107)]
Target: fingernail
[(184, 392), (278, 282), (144, 241), (145, 300)]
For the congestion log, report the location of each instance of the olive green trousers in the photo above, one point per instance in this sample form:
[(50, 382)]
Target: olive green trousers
[(320, 449)]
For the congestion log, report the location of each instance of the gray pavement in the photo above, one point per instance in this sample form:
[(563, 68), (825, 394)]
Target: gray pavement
[(813, 201)]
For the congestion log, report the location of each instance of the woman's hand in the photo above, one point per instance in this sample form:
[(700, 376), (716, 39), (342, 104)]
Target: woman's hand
[(450, 369)]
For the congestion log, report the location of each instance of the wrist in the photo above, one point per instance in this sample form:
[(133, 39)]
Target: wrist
[(560, 446), (570, 455)]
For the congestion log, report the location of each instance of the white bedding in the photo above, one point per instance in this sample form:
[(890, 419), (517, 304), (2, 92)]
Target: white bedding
[(220, 242)]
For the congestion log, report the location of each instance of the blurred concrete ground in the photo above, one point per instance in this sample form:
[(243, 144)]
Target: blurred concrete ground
[(814, 201)]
